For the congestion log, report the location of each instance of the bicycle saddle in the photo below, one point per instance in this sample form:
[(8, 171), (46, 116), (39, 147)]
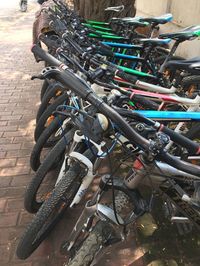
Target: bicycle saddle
[(115, 8), (135, 21), (155, 41), (188, 33), (158, 20), (191, 65)]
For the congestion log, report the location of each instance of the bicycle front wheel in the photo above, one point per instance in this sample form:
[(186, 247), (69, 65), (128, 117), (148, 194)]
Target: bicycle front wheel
[(51, 210)]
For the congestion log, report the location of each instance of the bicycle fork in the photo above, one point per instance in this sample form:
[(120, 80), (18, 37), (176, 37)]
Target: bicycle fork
[(104, 212), (142, 167), (73, 155)]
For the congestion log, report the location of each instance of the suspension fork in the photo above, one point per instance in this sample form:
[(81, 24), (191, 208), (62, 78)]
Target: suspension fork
[(142, 166), (141, 170), (85, 218), (171, 53), (93, 206), (73, 155)]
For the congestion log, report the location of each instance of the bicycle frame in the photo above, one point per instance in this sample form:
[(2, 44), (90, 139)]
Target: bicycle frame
[(93, 207), (173, 98), (170, 115)]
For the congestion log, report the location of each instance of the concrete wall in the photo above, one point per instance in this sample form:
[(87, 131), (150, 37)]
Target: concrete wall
[(185, 13)]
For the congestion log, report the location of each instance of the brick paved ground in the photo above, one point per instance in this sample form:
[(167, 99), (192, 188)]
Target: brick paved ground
[(19, 100)]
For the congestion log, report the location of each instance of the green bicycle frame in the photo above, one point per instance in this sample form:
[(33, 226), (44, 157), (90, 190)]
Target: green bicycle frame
[(97, 27), (106, 36), (94, 22), (136, 72)]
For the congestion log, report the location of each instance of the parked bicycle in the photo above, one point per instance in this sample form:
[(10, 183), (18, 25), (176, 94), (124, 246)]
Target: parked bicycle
[(113, 124)]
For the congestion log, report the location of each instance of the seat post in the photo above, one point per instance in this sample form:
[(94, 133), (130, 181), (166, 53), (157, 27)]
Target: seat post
[(154, 27), (171, 53)]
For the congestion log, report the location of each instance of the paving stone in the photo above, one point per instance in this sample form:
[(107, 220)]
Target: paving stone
[(14, 204), (15, 171), (2, 204), (20, 180), (5, 163), (9, 219)]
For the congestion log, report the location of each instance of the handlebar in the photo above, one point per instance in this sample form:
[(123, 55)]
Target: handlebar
[(84, 91), (192, 147), (54, 62), (37, 51)]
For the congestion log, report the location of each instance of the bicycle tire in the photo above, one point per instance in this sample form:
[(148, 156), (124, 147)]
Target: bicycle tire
[(191, 80), (193, 132), (43, 142), (52, 93), (91, 245), (30, 202), (44, 88), (68, 185), (162, 58), (96, 238), (40, 126)]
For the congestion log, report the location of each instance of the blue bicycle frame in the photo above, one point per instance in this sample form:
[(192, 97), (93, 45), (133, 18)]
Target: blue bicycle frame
[(119, 52), (170, 115)]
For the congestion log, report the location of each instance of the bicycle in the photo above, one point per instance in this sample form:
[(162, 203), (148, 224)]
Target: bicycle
[(28, 244), (166, 99), (145, 164)]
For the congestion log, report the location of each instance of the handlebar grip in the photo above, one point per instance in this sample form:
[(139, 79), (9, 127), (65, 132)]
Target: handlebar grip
[(51, 60), (192, 147), (127, 77), (105, 51), (181, 165)]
